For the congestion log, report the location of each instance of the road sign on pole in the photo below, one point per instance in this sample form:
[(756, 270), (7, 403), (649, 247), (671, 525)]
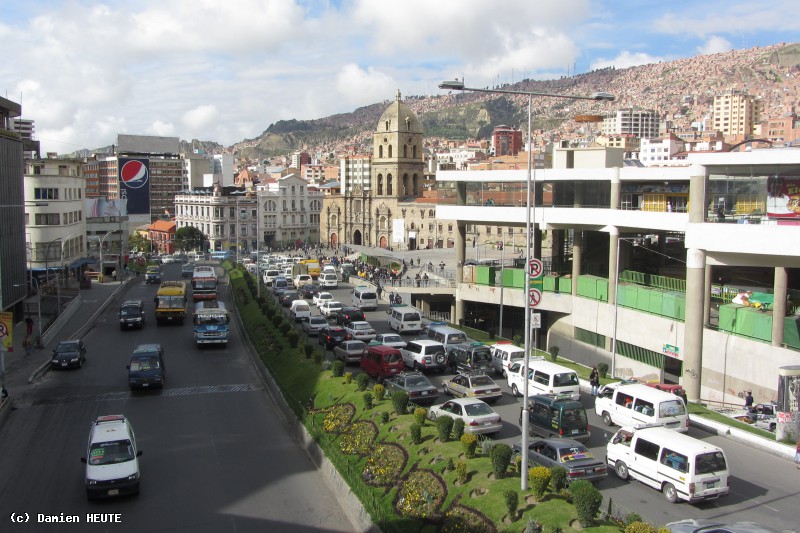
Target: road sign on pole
[(536, 320), (535, 268), (535, 296)]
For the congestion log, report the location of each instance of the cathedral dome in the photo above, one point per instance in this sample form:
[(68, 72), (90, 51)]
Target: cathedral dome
[(398, 117)]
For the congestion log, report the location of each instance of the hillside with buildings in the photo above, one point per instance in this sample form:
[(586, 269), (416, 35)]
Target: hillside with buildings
[(681, 92)]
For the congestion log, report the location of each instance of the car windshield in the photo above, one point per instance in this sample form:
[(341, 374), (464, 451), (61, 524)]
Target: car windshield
[(708, 463), (143, 364), (112, 452), (392, 338), (457, 338), (364, 326), (335, 305), (567, 379), (171, 302), (574, 418), (481, 381), (357, 345), (67, 347), (671, 408), (481, 355), (573, 453), (317, 320), (420, 381), (212, 319), (129, 311), (478, 409)]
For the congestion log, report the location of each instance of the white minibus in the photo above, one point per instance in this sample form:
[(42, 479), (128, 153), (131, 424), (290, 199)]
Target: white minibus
[(404, 319), (544, 377), (631, 403)]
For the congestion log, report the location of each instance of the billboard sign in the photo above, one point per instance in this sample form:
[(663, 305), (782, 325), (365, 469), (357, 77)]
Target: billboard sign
[(134, 185)]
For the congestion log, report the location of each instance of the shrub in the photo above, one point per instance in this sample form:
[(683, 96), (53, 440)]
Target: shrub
[(326, 365), (284, 327), (468, 443), (602, 369), (379, 391), (554, 353), (385, 417), (400, 402), (501, 457), (638, 526), (416, 434), (308, 348), (486, 445), (338, 368), (450, 466), (512, 500), (458, 429), (664, 530), (587, 500), (317, 357), (293, 337), (517, 340), (630, 518), (461, 471), (362, 380), (558, 478), (532, 526), (539, 478), (419, 416), (444, 425), (348, 377), (367, 399)]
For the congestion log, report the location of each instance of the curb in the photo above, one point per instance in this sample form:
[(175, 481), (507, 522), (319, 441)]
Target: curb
[(777, 449)]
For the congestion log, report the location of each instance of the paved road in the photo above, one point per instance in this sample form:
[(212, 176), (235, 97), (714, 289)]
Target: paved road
[(216, 453)]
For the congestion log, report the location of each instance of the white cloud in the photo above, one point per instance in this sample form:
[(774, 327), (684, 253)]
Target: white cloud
[(625, 59), (161, 129), (201, 117), (359, 85), (714, 45)]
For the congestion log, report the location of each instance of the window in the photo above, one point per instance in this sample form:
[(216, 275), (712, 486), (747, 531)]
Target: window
[(675, 460), (45, 193), (541, 378), (647, 449)]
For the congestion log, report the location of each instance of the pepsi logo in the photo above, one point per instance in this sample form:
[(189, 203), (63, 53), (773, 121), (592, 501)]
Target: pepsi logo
[(134, 174)]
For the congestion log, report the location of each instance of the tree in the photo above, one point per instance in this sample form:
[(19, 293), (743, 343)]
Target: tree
[(189, 238), (138, 242)]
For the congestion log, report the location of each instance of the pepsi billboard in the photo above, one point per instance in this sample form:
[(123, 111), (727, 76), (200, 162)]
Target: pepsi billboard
[(134, 185)]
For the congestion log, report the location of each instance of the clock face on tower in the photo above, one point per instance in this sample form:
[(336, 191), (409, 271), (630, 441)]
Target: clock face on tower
[(385, 140)]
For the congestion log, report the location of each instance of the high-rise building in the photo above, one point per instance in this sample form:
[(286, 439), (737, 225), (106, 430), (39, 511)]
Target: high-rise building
[(13, 213), (641, 123), (736, 113)]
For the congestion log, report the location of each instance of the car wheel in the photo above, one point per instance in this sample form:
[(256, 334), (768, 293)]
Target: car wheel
[(621, 470), (439, 358), (607, 419), (515, 390), (416, 366), (670, 493)]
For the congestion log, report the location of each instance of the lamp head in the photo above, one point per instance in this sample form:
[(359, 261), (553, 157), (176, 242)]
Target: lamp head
[(603, 97), (454, 85)]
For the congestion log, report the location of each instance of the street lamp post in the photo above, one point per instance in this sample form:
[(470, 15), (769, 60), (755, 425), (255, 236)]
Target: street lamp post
[(530, 206)]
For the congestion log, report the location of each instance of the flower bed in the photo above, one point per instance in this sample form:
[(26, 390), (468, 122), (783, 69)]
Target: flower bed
[(360, 438), (421, 494), (385, 465), (337, 418), (459, 518)]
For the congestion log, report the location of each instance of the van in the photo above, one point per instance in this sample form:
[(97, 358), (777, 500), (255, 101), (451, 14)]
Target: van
[(424, 354), (630, 403), (552, 415), (146, 369), (365, 297), (131, 314), (269, 275), (469, 357), (329, 280), (300, 311), (504, 354), (544, 377), (381, 362), (680, 466), (404, 319), (449, 337), (112, 458)]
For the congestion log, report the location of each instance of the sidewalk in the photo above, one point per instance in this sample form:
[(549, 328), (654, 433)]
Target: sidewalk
[(76, 320)]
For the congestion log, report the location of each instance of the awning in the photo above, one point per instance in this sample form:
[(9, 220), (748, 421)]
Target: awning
[(82, 261)]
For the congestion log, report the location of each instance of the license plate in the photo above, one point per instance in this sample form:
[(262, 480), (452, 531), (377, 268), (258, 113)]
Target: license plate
[(113, 492), (145, 384), (576, 431), (711, 485), (487, 423), (424, 393), (63, 364)]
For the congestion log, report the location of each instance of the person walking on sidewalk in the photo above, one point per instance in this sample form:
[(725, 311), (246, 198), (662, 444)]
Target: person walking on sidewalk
[(797, 454), (594, 380)]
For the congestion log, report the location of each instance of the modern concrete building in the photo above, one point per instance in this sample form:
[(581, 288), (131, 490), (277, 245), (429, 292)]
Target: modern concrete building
[(646, 289), (736, 114), (642, 123)]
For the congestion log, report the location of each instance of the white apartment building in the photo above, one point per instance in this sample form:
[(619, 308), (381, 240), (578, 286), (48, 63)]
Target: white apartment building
[(354, 174), (642, 123), (660, 151), (222, 166), (289, 212), (736, 113)]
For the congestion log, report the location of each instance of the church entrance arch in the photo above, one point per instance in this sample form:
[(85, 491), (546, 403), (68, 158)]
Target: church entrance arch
[(384, 243), (357, 237), (334, 240)]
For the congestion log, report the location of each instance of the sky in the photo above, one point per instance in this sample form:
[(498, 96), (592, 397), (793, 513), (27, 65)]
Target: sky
[(224, 70)]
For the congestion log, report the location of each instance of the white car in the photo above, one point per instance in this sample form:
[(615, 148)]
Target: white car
[(360, 330), (302, 279), (320, 298), (329, 308), (167, 259), (478, 417), (112, 458), (389, 339)]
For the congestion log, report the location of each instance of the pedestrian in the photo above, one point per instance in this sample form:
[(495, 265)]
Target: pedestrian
[(594, 380), (29, 325), (748, 400), (27, 345), (797, 454)]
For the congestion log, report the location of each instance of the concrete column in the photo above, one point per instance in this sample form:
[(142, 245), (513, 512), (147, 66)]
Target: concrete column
[(461, 241), (615, 190), (707, 297), (693, 326), (613, 239), (779, 307), (577, 246)]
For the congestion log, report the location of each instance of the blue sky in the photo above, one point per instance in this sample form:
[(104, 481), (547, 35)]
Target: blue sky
[(224, 71)]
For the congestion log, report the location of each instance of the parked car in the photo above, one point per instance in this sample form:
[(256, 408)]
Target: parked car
[(147, 369), (569, 454), (419, 388), (112, 458), (348, 314), (473, 385), (308, 291), (553, 416), (706, 525), (330, 308), (287, 297), (349, 351), (361, 330), (478, 417), (68, 354), (331, 336), (389, 339), (322, 297), (313, 325)]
